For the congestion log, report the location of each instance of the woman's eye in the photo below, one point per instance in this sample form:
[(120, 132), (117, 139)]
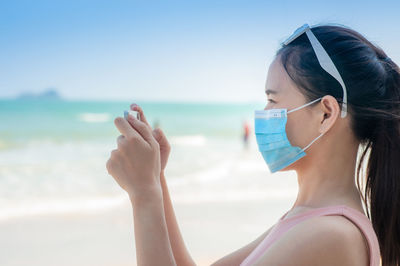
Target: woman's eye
[(271, 101)]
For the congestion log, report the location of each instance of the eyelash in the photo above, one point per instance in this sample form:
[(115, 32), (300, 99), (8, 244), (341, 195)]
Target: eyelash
[(271, 101)]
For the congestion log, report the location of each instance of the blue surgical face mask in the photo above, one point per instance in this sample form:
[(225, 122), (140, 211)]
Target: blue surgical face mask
[(272, 141)]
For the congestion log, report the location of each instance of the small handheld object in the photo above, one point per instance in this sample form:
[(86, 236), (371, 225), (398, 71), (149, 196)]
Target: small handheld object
[(133, 113)]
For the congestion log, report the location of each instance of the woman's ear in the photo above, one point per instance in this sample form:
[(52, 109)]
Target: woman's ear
[(329, 112)]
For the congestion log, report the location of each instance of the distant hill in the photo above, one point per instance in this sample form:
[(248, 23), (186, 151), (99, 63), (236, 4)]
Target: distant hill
[(49, 94)]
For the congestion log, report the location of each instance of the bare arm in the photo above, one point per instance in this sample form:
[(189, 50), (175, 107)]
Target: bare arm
[(181, 254), (151, 235), (236, 257)]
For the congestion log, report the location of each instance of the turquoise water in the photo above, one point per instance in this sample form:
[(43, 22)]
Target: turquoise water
[(23, 121), (53, 153)]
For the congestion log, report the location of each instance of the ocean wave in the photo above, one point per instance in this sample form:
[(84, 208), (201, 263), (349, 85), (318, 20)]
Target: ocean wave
[(235, 195), (60, 206), (189, 140), (46, 177), (94, 117)]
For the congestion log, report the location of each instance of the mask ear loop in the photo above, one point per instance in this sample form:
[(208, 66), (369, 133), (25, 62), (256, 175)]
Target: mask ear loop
[(307, 104), (306, 147), (298, 108)]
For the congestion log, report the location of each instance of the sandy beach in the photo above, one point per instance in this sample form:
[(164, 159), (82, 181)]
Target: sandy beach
[(216, 217), (211, 230)]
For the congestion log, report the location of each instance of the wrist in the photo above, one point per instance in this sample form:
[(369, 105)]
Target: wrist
[(151, 195)]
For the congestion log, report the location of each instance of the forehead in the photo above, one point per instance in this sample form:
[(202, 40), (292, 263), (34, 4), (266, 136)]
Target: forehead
[(277, 79)]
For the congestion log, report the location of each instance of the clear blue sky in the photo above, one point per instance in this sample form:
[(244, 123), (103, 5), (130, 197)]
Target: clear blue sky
[(165, 50)]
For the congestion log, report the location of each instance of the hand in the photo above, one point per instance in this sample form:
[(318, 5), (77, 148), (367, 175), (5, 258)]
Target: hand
[(135, 165), (165, 147)]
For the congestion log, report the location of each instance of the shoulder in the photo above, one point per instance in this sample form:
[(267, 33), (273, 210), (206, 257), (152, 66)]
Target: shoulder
[(323, 240)]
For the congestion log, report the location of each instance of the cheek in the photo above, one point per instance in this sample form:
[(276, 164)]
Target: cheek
[(296, 130)]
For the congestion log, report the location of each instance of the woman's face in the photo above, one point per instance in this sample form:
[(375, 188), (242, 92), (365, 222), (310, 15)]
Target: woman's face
[(302, 126)]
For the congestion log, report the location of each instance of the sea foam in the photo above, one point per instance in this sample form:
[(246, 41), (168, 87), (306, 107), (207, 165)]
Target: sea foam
[(94, 117)]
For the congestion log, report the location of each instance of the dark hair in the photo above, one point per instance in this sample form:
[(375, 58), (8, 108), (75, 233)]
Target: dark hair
[(373, 93)]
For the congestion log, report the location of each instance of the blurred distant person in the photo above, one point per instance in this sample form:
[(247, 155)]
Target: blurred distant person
[(246, 133)]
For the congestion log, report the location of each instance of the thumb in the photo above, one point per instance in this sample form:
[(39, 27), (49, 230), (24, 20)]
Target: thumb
[(160, 137), (158, 134)]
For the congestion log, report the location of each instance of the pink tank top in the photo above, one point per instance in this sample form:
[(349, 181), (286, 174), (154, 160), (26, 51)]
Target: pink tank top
[(358, 218)]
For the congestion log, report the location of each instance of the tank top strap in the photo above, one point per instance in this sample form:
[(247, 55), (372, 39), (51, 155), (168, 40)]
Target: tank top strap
[(283, 225), (355, 216)]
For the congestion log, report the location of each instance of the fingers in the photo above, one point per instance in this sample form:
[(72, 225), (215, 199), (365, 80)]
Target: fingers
[(120, 141), (141, 128), (110, 164), (124, 128), (161, 139), (159, 134), (141, 115)]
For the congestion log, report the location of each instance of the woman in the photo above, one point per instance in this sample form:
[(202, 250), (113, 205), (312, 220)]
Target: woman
[(330, 92)]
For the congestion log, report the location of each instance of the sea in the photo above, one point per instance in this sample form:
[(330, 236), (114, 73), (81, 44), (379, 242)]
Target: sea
[(53, 152)]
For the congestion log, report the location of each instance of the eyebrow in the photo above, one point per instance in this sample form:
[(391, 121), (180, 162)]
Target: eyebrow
[(270, 92)]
